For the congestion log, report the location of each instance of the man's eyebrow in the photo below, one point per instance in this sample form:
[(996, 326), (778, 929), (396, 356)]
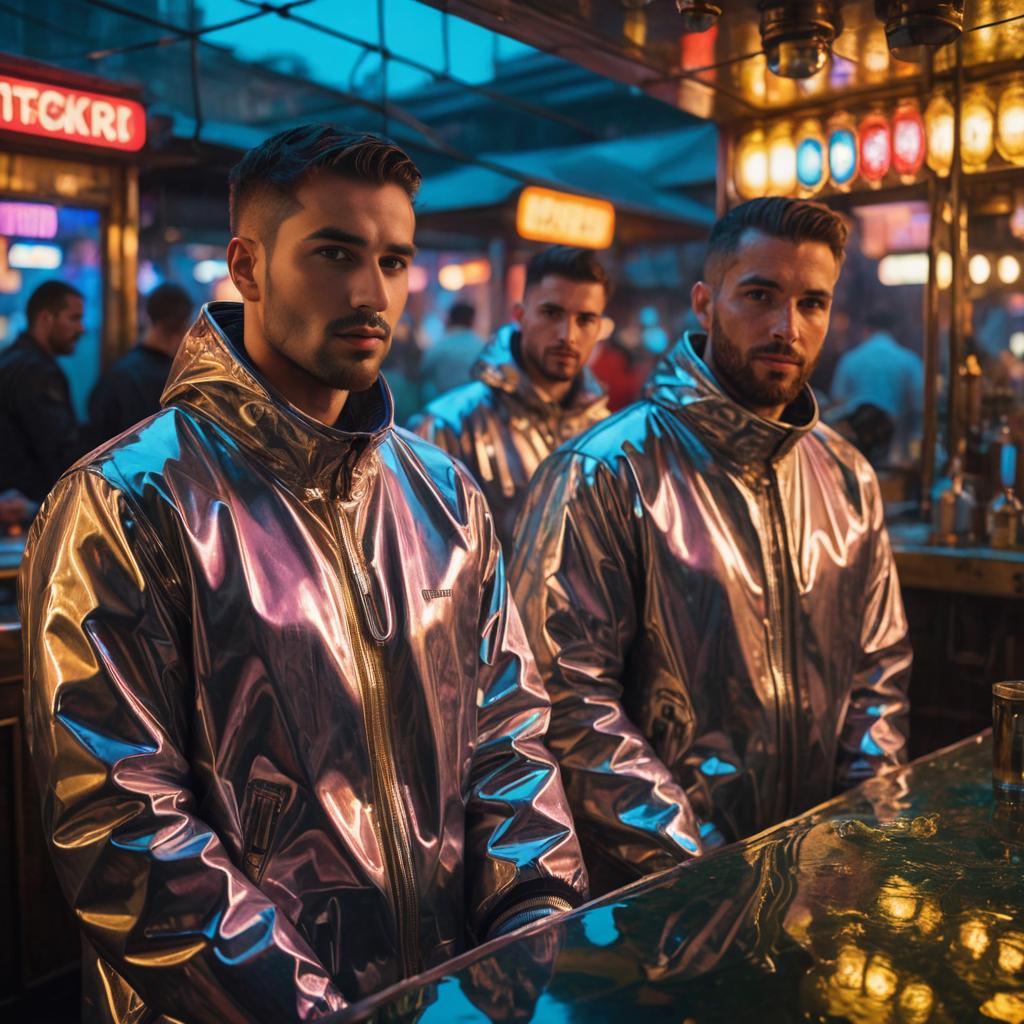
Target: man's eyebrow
[(333, 234), (761, 282)]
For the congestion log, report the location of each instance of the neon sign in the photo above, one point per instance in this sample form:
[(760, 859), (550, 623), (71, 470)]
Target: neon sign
[(71, 115), (545, 215), (28, 220)]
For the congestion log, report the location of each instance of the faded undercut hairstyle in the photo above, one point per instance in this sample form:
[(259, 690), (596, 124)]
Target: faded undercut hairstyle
[(795, 220), (570, 263), (268, 177)]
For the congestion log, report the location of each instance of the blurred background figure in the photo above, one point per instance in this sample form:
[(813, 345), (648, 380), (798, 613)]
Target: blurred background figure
[(130, 390), (40, 434), (447, 364), (401, 370), (878, 393), (533, 389)]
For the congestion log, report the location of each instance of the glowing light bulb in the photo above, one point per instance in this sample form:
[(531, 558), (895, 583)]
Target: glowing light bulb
[(875, 144), (810, 156), (781, 160), (1010, 123), (751, 165), (938, 122), (979, 268), (1008, 269), (908, 141), (977, 131), (842, 152)]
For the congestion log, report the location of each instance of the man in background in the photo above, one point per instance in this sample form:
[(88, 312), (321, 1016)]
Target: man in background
[(448, 364), (879, 379), (130, 390), (706, 580), (41, 435), (533, 390)]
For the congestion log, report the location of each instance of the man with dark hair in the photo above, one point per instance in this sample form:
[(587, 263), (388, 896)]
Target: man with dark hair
[(879, 383), (533, 390), (287, 728), (706, 578), (41, 435), (450, 360), (130, 390)]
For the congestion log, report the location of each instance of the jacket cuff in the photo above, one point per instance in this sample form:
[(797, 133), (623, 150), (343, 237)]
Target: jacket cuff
[(528, 903)]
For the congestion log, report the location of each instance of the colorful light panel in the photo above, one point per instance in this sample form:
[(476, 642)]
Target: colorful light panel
[(842, 155), (908, 141), (875, 148)]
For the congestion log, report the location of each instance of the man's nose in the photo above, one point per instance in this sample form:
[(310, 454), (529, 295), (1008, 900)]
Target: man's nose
[(784, 329), (370, 289)]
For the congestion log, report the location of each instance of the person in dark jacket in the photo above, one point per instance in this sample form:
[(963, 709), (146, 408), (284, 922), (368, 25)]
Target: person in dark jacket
[(130, 390), (41, 435)]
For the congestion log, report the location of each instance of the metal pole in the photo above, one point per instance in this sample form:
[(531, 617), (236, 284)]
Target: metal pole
[(958, 253), (932, 370)]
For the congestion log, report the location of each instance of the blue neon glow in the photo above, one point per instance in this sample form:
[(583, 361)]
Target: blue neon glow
[(810, 162), (842, 155), (599, 926)]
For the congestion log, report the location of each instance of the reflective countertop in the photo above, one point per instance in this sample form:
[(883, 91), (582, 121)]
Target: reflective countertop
[(900, 902)]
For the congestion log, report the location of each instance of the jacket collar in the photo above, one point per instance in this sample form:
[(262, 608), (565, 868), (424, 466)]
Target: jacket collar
[(499, 368), (683, 383), (213, 376)]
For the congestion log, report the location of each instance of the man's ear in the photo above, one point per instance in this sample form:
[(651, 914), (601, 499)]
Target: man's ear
[(242, 267), (518, 309), (702, 302)]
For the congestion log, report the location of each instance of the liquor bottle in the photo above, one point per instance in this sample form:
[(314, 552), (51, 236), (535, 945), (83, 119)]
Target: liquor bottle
[(1005, 512), (953, 506)]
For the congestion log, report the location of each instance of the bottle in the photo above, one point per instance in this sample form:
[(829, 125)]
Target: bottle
[(1005, 512), (953, 506)]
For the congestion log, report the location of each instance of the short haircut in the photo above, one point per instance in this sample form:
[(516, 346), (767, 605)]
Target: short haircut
[(169, 305), (462, 314), (795, 220), (270, 174), (573, 264), (50, 297)]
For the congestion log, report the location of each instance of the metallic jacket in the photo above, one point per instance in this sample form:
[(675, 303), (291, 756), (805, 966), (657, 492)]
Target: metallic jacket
[(712, 600), (287, 728), (502, 427)]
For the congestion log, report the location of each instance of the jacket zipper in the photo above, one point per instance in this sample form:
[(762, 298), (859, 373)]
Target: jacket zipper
[(781, 626), (390, 824)]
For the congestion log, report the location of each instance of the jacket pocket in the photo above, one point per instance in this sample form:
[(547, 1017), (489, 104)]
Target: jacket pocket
[(261, 810)]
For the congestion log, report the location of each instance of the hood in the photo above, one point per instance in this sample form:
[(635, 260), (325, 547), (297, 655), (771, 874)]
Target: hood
[(499, 368), (213, 377), (683, 383)]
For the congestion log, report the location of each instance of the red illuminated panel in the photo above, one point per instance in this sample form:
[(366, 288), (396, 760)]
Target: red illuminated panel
[(908, 140), (875, 147), (71, 115)]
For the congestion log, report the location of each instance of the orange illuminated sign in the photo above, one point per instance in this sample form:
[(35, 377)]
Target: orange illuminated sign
[(544, 215), (71, 115)]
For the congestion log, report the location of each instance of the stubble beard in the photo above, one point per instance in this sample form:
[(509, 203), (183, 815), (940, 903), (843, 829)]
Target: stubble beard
[(323, 359), (740, 377)]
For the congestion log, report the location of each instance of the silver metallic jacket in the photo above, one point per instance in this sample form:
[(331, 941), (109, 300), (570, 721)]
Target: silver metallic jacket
[(503, 428), (712, 601), (287, 728)]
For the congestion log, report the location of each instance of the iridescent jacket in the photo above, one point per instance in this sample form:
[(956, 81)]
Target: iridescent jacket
[(287, 728), (712, 601), (502, 427)]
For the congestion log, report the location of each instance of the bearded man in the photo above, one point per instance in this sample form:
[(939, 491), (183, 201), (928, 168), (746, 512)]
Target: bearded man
[(286, 725), (706, 578)]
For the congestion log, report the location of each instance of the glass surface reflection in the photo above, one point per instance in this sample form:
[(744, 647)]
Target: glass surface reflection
[(898, 903)]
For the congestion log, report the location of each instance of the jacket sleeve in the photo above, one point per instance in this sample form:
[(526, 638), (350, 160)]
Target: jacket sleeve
[(523, 857), (433, 429), (574, 577), (109, 702), (874, 728)]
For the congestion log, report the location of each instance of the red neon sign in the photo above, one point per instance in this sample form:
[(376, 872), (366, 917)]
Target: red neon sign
[(71, 115)]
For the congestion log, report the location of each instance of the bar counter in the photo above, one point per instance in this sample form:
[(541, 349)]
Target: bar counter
[(900, 902)]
